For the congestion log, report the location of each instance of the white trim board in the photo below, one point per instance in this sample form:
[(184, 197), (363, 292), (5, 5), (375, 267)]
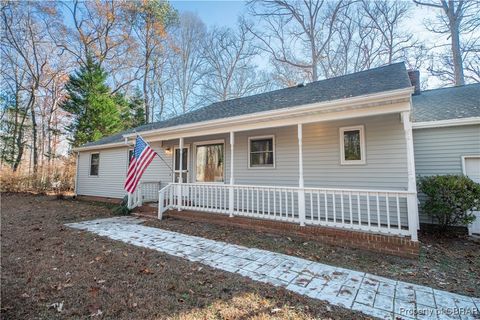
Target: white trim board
[(363, 153), (446, 123)]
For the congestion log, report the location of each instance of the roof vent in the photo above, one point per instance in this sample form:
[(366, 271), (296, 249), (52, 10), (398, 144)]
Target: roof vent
[(301, 84)]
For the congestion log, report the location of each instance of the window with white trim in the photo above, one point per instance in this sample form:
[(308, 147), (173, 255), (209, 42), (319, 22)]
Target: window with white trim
[(352, 145), (94, 163), (130, 156), (261, 152)]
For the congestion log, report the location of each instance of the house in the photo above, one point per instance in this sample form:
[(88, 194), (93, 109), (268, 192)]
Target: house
[(337, 153)]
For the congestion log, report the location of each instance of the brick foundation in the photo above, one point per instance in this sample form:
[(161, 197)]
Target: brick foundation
[(394, 245)]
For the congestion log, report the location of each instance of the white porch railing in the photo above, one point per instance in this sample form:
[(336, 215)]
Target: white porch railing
[(147, 191), (378, 211)]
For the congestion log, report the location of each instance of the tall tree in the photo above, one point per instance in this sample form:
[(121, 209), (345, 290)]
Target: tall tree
[(456, 18), (187, 61), (296, 33), (230, 69), (95, 111), (150, 20)]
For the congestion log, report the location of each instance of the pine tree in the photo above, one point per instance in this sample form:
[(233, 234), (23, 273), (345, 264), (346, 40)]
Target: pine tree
[(132, 112), (95, 111)]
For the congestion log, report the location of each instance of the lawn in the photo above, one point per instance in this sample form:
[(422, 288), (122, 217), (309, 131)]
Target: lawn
[(50, 271)]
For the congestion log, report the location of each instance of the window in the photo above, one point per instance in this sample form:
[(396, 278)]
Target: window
[(94, 163), (261, 152), (130, 156), (209, 163), (352, 145)]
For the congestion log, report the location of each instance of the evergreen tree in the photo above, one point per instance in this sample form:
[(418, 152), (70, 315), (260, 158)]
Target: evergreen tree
[(95, 111), (132, 112)]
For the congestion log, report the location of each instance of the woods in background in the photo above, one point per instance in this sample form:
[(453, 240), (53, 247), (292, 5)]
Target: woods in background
[(78, 71)]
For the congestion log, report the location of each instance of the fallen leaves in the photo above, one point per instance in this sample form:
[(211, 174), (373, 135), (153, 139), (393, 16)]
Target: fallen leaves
[(145, 271)]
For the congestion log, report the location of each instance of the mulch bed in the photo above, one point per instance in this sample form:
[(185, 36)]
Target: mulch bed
[(446, 262), (50, 271)]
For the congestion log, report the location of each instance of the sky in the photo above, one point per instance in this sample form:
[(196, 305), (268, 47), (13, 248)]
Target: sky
[(220, 13), (226, 13)]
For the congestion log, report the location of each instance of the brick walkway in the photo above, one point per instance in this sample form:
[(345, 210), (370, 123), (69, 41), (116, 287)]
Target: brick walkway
[(375, 296)]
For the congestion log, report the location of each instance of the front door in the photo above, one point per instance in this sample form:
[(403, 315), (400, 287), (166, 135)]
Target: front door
[(185, 165)]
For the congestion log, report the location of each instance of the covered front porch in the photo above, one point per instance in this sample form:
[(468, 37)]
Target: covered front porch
[(348, 168)]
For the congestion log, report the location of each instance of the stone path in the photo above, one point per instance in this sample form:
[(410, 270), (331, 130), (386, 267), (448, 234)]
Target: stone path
[(375, 296)]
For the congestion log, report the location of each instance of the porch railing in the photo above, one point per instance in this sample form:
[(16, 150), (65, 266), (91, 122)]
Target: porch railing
[(378, 211), (147, 191)]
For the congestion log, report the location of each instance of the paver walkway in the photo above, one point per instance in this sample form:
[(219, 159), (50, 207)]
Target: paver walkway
[(375, 296)]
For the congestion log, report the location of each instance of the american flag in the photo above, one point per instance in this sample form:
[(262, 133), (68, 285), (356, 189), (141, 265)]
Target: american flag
[(143, 154)]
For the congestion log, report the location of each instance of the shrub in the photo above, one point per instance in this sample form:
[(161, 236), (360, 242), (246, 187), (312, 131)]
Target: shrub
[(450, 199), (122, 209), (55, 178)]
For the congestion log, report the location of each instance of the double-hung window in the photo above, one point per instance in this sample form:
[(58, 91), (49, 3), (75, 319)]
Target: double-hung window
[(352, 145), (261, 152)]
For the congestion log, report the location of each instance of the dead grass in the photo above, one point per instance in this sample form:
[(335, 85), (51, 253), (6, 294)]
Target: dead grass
[(52, 272), (449, 263)]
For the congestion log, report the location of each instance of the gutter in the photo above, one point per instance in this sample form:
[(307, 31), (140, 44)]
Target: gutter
[(295, 111), (76, 175), (290, 112), (446, 123)]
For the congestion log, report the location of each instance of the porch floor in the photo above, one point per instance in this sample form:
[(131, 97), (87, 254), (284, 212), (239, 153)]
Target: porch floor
[(375, 296)]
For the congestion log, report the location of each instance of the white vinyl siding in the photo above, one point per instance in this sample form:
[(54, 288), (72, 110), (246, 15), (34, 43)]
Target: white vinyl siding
[(439, 151), (386, 166), (111, 173)]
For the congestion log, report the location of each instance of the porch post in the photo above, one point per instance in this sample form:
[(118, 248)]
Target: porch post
[(180, 177), (412, 205), (301, 190), (230, 190)]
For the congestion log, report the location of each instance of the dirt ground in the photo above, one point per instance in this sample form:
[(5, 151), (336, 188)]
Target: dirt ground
[(49, 271), (449, 263)]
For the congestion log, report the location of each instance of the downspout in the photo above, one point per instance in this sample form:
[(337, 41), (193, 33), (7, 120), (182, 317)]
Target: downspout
[(76, 175)]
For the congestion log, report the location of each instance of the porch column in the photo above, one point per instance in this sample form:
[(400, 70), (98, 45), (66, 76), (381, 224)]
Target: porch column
[(412, 205), (230, 190), (180, 176), (301, 190)]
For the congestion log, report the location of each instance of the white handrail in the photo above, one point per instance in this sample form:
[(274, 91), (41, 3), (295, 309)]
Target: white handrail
[(377, 211)]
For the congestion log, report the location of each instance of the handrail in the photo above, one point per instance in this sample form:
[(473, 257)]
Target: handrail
[(377, 211), (294, 187)]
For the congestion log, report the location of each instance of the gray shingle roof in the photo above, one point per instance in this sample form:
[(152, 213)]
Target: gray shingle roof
[(386, 78), (447, 103)]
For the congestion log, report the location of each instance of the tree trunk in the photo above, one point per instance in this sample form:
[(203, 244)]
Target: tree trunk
[(34, 131), (457, 53)]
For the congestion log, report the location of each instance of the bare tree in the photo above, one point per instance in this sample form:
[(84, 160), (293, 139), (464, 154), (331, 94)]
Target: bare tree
[(187, 61), (150, 20), (296, 32), (102, 29), (386, 18), (27, 39), (230, 69), (457, 19)]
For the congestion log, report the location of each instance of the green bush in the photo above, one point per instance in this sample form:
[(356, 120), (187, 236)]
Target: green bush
[(450, 199), (122, 208)]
